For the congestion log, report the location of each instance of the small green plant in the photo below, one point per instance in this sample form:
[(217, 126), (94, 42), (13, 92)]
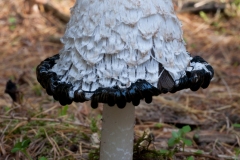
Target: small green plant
[(199, 152), (237, 153), (93, 125), (166, 153), (213, 21), (22, 147), (190, 158), (94, 154), (179, 138), (63, 111), (204, 16), (12, 23), (42, 158), (7, 108), (236, 125), (158, 125)]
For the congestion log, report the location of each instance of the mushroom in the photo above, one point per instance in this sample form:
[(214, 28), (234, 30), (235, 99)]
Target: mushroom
[(118, 52)]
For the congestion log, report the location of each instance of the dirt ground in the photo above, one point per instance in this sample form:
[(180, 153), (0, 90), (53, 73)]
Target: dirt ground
[(29, 34)]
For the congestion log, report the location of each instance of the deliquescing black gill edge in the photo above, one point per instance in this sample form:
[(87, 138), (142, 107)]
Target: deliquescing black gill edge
[(141, 89)]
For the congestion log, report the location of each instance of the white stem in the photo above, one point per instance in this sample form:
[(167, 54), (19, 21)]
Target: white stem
[(117, 133)]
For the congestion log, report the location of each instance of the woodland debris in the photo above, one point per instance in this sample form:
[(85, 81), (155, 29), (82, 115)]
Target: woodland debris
[(48, 8), (195, 6)]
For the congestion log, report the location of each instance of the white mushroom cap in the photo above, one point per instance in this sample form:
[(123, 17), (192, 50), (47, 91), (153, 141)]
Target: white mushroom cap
[(116, 43)]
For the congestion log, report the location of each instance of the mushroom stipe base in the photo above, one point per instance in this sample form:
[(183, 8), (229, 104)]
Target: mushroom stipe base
[(117, 134), (141, 89)]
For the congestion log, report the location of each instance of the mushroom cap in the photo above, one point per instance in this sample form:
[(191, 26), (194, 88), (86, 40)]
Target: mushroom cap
[(122, 51)]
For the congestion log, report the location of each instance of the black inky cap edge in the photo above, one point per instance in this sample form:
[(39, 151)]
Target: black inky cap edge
[(141, 89), (196, 78)]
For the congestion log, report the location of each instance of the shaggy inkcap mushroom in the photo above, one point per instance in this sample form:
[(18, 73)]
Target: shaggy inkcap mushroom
[(118, 52)]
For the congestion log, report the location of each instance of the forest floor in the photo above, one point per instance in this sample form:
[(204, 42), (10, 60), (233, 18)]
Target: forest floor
[(37, 127)]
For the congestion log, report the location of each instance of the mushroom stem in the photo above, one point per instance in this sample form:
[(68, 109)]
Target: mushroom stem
[(117, 133)]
